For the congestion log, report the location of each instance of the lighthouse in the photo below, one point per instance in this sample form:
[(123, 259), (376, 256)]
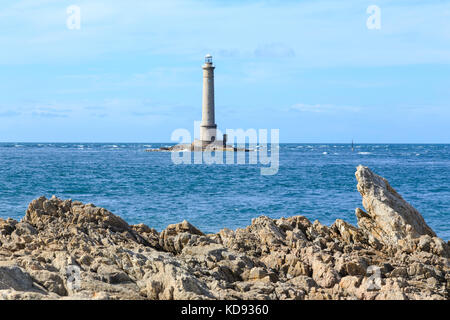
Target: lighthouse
[(208, 126), (208, 129)]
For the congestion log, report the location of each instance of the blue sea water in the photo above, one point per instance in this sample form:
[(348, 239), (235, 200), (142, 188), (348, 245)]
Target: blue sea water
[(314, 180)]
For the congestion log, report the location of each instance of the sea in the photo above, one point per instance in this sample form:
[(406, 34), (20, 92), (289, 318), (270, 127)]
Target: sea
[(313, 180)]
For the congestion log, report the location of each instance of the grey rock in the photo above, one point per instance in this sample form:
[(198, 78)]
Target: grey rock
[(388, 218), (14, 277)]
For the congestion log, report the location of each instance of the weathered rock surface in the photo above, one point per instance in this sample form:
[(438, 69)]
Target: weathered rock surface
[(389, 218), (64, 249)]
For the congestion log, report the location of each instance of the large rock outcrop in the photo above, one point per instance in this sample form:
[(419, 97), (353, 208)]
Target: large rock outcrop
[(389, 217), (64, 249)]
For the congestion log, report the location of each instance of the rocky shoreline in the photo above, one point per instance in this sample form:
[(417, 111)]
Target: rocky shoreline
[(65, 249)]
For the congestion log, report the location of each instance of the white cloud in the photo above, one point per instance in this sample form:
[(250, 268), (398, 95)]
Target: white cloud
[(274, 50), (323, 108)]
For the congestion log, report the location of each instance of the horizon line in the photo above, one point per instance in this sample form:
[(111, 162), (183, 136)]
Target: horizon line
[(135, 142)]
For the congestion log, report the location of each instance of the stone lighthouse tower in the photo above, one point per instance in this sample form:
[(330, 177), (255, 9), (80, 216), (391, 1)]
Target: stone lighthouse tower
[(208, 126)]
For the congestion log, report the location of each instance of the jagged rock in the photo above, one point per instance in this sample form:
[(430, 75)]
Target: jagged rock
[(176, 236), (149, 234), (14, 277), (324, 275), (304, 282), (51, 281), (65, 249), (168, 280), (7, 226), (111, 274)]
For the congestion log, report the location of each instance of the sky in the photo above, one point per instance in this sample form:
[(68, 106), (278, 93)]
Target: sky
[(312, 69)]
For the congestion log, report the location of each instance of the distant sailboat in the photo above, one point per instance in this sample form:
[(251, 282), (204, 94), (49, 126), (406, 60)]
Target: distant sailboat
[(353, 148)]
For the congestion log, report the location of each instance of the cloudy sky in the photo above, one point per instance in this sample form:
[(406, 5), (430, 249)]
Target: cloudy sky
[(313, 69)]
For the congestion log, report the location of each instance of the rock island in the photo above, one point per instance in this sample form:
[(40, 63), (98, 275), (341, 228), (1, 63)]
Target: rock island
[(208, 129)]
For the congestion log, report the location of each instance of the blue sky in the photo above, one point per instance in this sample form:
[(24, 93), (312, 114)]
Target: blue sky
[(312, 69)]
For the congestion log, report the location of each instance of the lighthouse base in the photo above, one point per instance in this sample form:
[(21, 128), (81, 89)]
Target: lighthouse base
[(216, 145), (201, 146), (208, 133)]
